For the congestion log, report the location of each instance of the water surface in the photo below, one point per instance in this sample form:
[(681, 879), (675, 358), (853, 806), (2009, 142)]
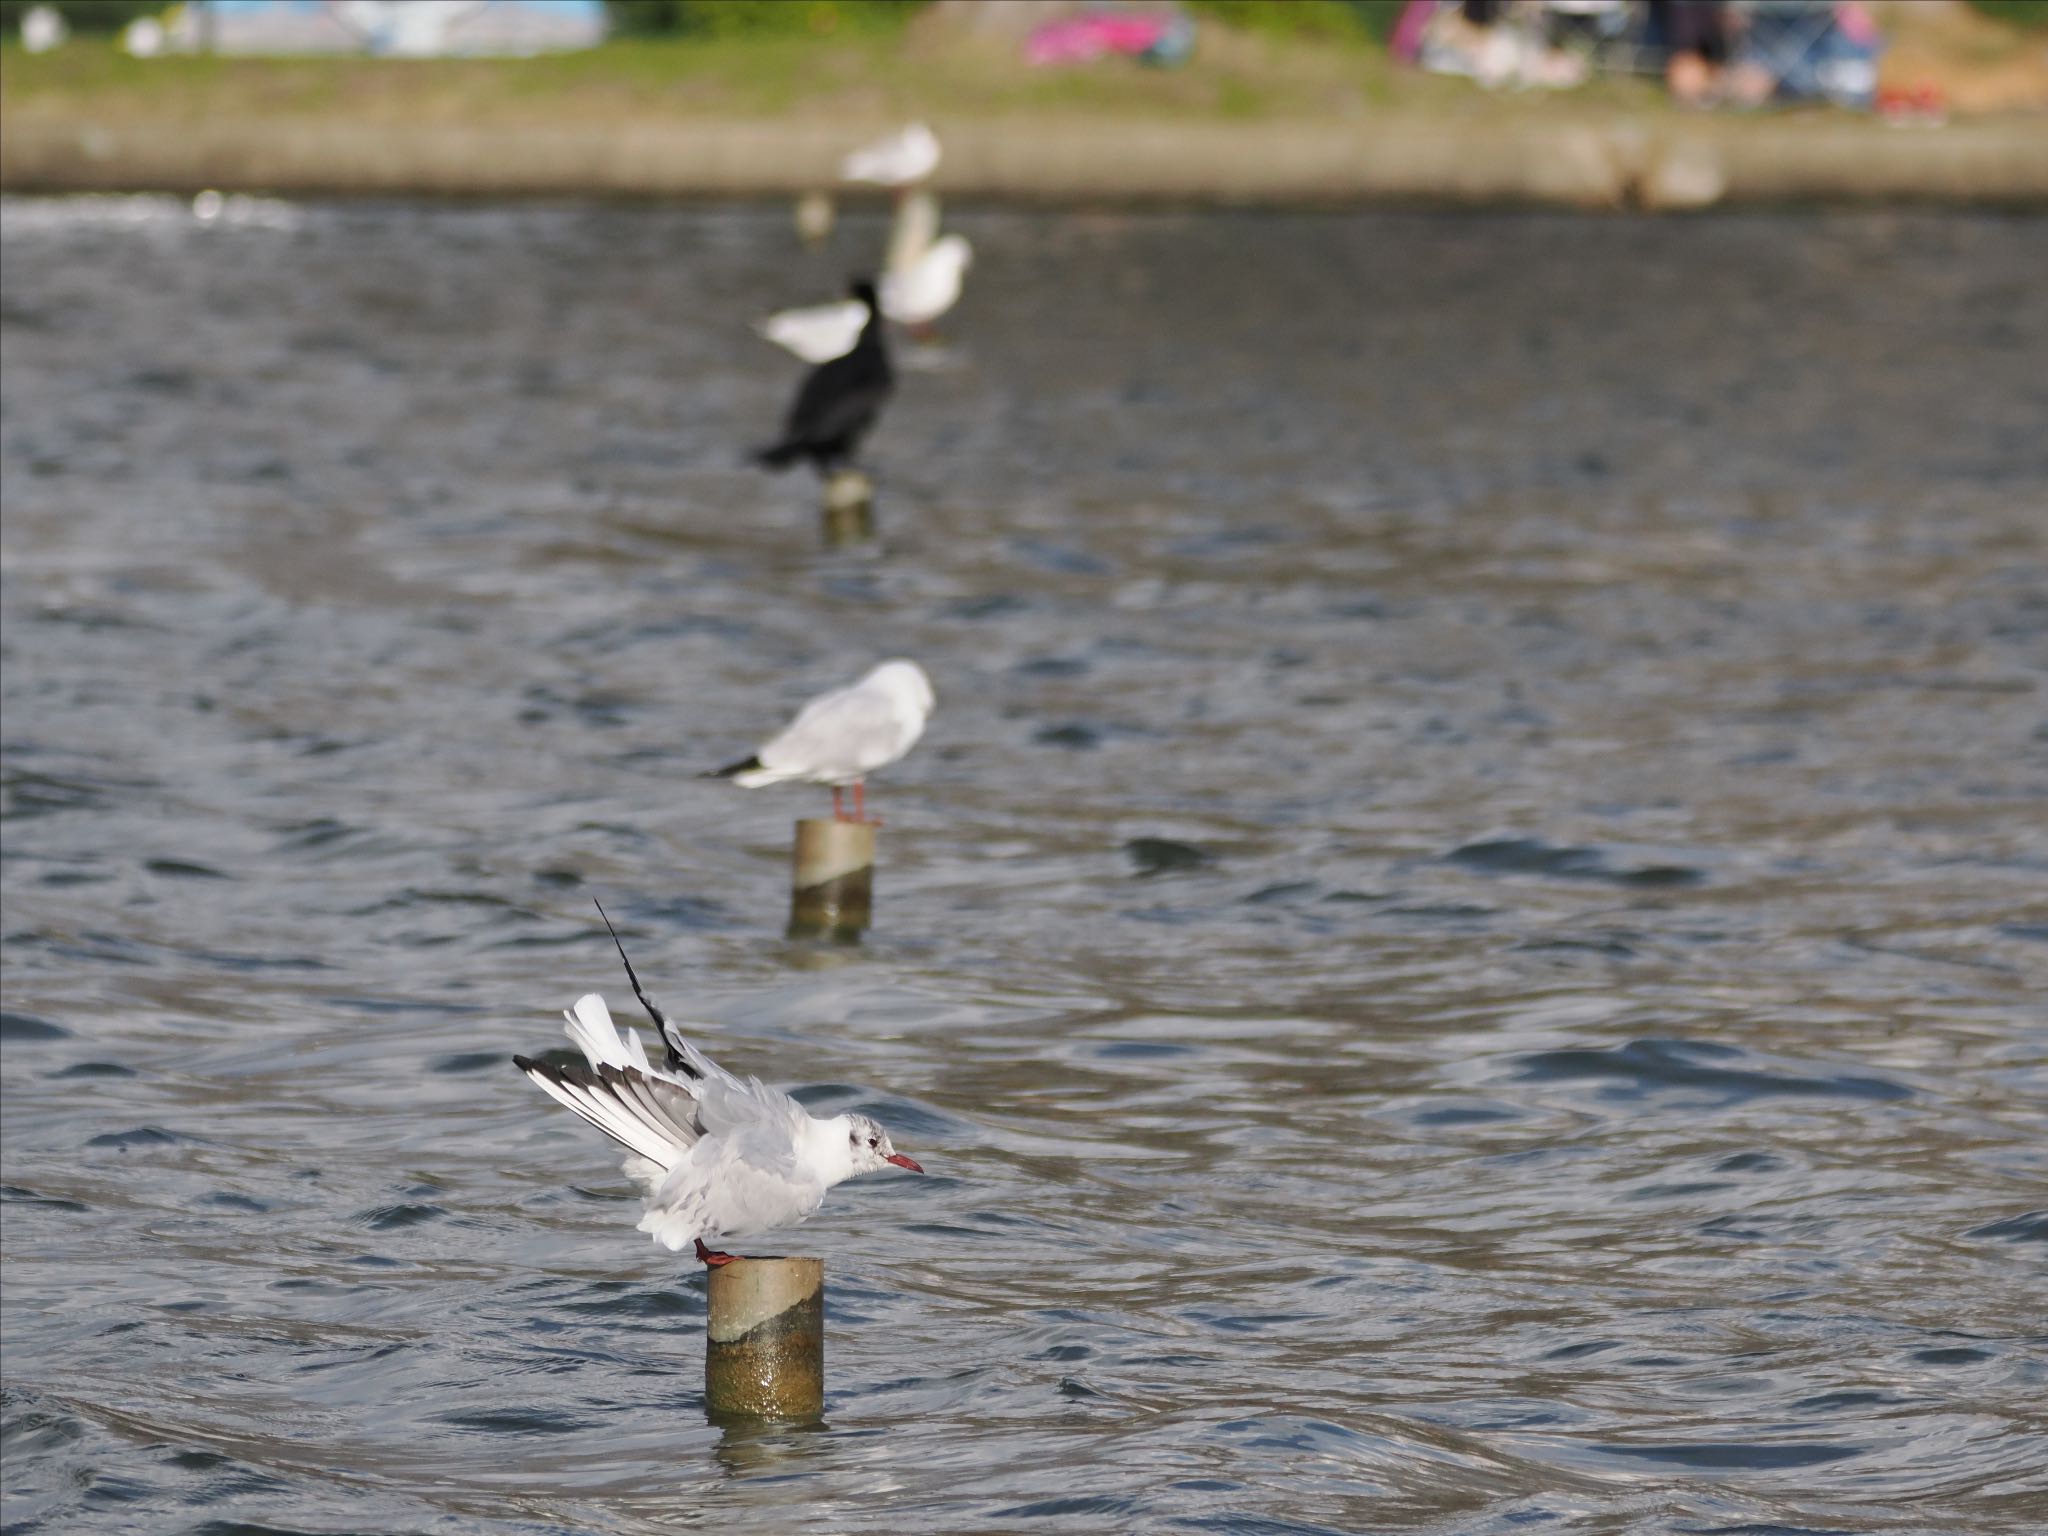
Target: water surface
[(1466, 948)]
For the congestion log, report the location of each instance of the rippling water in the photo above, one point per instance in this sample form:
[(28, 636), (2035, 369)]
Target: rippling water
[(1466, 949)]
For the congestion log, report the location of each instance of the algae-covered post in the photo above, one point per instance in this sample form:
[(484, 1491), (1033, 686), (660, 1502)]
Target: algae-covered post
[(764, 1340), (832, 879), (849, 509), (814, 218)]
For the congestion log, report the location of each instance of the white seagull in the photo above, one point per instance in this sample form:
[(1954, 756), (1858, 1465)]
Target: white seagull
[(903, 159), (817, 333), (719, 1156), (914, 296), (841, 737)]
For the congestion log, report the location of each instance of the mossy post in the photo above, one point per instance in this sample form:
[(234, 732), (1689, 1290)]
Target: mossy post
[(764, 1340), (832, 879), (814, 218), (849, 508)]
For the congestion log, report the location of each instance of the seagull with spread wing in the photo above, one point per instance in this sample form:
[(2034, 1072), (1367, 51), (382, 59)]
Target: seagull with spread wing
[(718, 1156)]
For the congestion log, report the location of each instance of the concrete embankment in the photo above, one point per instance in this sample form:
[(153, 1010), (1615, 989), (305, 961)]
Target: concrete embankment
[(1594, 161)]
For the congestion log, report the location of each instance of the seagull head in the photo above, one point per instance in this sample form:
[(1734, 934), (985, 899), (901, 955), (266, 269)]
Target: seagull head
[(904, 681), (951, 251), (870, 1148)]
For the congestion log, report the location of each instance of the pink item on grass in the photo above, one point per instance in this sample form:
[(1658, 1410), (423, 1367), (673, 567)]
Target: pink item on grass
[(1406, 43), (1090, 37), (1857, 26)]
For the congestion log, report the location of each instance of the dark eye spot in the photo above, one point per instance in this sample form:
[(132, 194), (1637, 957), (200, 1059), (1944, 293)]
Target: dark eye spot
[(873, 1142)]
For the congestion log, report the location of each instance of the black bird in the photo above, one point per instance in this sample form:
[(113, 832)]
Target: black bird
[(839, 401)]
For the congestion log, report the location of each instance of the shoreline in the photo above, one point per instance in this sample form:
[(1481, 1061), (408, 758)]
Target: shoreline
[(1586, 159)]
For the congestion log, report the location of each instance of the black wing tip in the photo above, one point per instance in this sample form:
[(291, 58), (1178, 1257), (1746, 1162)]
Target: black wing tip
[(577, 1074), (677, 1061), (745, 765), (660, 1019)]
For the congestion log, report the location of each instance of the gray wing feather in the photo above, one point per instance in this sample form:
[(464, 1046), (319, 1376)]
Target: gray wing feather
[(763, 1125), (648, 1116)]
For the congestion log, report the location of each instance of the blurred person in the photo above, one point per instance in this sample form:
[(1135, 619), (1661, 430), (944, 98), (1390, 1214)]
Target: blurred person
[(1696, 35), (1746, 53), (1805, 50), (1494, 42)]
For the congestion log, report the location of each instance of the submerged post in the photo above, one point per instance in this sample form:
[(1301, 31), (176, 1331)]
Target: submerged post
[(849, 508), (814, 217), (764, 1340), (832, 879)]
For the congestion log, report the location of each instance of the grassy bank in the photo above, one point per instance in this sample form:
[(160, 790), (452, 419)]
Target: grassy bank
[(1254, 115), (876, 76), (929, 67)]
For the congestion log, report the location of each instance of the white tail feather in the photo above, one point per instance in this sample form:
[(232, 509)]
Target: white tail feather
[(648, 1175), (669, 1228), (602, 1042)]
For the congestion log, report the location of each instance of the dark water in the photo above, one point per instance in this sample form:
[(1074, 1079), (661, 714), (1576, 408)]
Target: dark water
[(1466, 949)]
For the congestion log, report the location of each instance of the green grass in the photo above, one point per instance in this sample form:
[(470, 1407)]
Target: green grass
[(2019, 13), (1323, 20), (862, 73), (1318, 60), (758, 18)]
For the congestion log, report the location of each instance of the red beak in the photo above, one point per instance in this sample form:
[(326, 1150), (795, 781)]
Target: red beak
[(902, 1162)]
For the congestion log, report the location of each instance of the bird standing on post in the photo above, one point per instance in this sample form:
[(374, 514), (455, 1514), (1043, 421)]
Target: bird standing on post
[(840, 737), (839, 400), (719, 1156), (915, 296)]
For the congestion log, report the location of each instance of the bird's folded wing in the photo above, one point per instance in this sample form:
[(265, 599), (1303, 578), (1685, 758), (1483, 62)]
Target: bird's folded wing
[(648, 1116), (763, 1125), (846, 729)]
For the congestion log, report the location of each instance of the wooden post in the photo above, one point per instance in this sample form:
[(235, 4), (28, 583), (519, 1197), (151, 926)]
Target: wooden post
[(764, 1340), (849, 514), (832, 879), (814, 217)]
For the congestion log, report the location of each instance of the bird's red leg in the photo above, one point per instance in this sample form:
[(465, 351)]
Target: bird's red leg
[(838, 810), (860, 799), (711, 1258)]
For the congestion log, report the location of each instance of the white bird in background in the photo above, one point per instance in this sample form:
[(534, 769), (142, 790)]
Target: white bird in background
[(922, 273), (841, 737), (915, 297), (903, 159), (918, 294), (718, 1156), (817, 333), (43, 29), (912, 230)]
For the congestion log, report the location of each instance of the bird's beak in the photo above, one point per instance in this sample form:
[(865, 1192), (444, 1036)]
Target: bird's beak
[(902, 1162)]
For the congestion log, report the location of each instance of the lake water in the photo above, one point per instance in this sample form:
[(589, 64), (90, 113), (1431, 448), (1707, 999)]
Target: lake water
[(1467, 949)]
